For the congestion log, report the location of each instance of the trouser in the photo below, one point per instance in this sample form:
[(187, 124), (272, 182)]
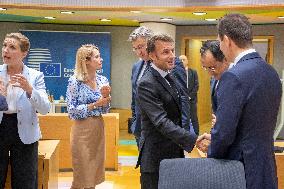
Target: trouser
[(23, 157), (149, 180), (194, 118)]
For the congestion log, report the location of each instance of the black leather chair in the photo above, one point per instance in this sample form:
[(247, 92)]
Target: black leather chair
[(201, 173)]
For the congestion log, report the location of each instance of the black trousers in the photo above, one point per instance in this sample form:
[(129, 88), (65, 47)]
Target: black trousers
[(149, 180), (23, 157)]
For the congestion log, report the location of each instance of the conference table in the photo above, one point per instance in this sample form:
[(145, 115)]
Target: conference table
[(48, 165), (58, 125)]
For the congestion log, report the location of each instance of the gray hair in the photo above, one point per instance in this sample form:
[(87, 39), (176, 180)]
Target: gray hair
[(140, 32)]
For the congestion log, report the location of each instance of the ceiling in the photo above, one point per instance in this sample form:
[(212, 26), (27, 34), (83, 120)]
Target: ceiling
[(124, 17)]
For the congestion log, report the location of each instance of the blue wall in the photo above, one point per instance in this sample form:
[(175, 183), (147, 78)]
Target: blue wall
[(54, 54)]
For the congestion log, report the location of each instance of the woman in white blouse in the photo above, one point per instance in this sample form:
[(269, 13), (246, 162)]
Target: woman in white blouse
[(19, 129)]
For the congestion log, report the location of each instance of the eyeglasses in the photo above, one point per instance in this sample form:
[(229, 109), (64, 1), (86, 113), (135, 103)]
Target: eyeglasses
[(210, 68), (140, 47)]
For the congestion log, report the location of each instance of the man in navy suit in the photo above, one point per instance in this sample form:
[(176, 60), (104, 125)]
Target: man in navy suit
[(248, 96), (213, 61), (138, 38)]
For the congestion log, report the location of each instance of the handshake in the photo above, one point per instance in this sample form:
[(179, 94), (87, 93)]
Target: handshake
[(203, 141)]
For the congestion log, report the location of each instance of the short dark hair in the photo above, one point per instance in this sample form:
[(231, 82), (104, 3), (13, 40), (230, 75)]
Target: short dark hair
[(158, 37), (214, 47), (238, 28)]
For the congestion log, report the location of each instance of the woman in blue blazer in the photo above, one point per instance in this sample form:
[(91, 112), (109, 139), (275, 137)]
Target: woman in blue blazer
[(19, 128)]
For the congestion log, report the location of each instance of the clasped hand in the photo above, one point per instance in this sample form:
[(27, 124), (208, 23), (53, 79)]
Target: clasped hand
[(106, 98), (203, 141)]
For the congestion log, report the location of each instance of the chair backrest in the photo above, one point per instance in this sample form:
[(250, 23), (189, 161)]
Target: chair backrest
[(201, 173)]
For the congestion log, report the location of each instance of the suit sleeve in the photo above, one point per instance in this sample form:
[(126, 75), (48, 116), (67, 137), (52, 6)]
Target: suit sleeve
[(149, 102), (132, 94), (39, 98), (193, 93), (3, 103), (180, 74), (230, 97)]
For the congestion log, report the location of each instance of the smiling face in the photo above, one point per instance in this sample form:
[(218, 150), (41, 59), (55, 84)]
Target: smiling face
[(11, 51), (163, 56)]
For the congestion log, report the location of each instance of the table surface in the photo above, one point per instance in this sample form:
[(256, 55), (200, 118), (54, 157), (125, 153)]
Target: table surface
[(47, 147)]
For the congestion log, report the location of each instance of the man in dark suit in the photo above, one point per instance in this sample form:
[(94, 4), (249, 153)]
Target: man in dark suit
[(213, 61), (192, 89), (138, 38), (248, 98), (159, 99)]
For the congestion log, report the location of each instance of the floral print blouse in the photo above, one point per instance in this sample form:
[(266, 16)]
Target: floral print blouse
[(79, 95)]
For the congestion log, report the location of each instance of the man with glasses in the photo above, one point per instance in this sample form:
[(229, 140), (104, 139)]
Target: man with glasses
[(138, 39), (249, 96), (213, 61)]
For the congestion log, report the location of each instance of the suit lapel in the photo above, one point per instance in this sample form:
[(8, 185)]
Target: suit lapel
[(163, 82)]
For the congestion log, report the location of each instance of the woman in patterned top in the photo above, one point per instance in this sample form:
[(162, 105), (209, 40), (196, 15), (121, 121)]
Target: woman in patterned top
[(88, 96)]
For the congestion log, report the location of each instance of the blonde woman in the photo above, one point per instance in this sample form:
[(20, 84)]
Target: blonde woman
[(24, 89), (88, 96)]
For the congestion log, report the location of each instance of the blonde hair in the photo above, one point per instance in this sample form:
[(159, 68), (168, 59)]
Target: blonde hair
[(24, 41), (84, 54)]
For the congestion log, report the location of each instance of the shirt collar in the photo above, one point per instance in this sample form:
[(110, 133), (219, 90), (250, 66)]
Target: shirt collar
[(161, 72), (241, 55)]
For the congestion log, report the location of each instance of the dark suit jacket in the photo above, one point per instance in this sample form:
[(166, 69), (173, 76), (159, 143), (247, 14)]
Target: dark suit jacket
[(248, 98), (213, 94), (180, 76), (136, 120), (179, 73), (162, 136), (3, 103), (192, 80)]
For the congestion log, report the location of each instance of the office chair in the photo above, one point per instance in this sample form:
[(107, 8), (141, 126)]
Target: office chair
[(201, 173)]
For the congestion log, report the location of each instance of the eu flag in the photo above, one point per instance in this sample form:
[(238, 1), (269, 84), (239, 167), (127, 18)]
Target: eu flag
[(51, 69)]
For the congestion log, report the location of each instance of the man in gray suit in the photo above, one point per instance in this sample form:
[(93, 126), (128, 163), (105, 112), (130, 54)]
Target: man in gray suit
[(248, 96), (159, 99)]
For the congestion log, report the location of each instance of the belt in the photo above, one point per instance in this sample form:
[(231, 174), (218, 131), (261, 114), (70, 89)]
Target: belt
[(13, 115)]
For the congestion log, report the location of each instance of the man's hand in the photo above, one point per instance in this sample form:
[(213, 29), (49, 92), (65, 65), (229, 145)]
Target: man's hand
[(203, 142)]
